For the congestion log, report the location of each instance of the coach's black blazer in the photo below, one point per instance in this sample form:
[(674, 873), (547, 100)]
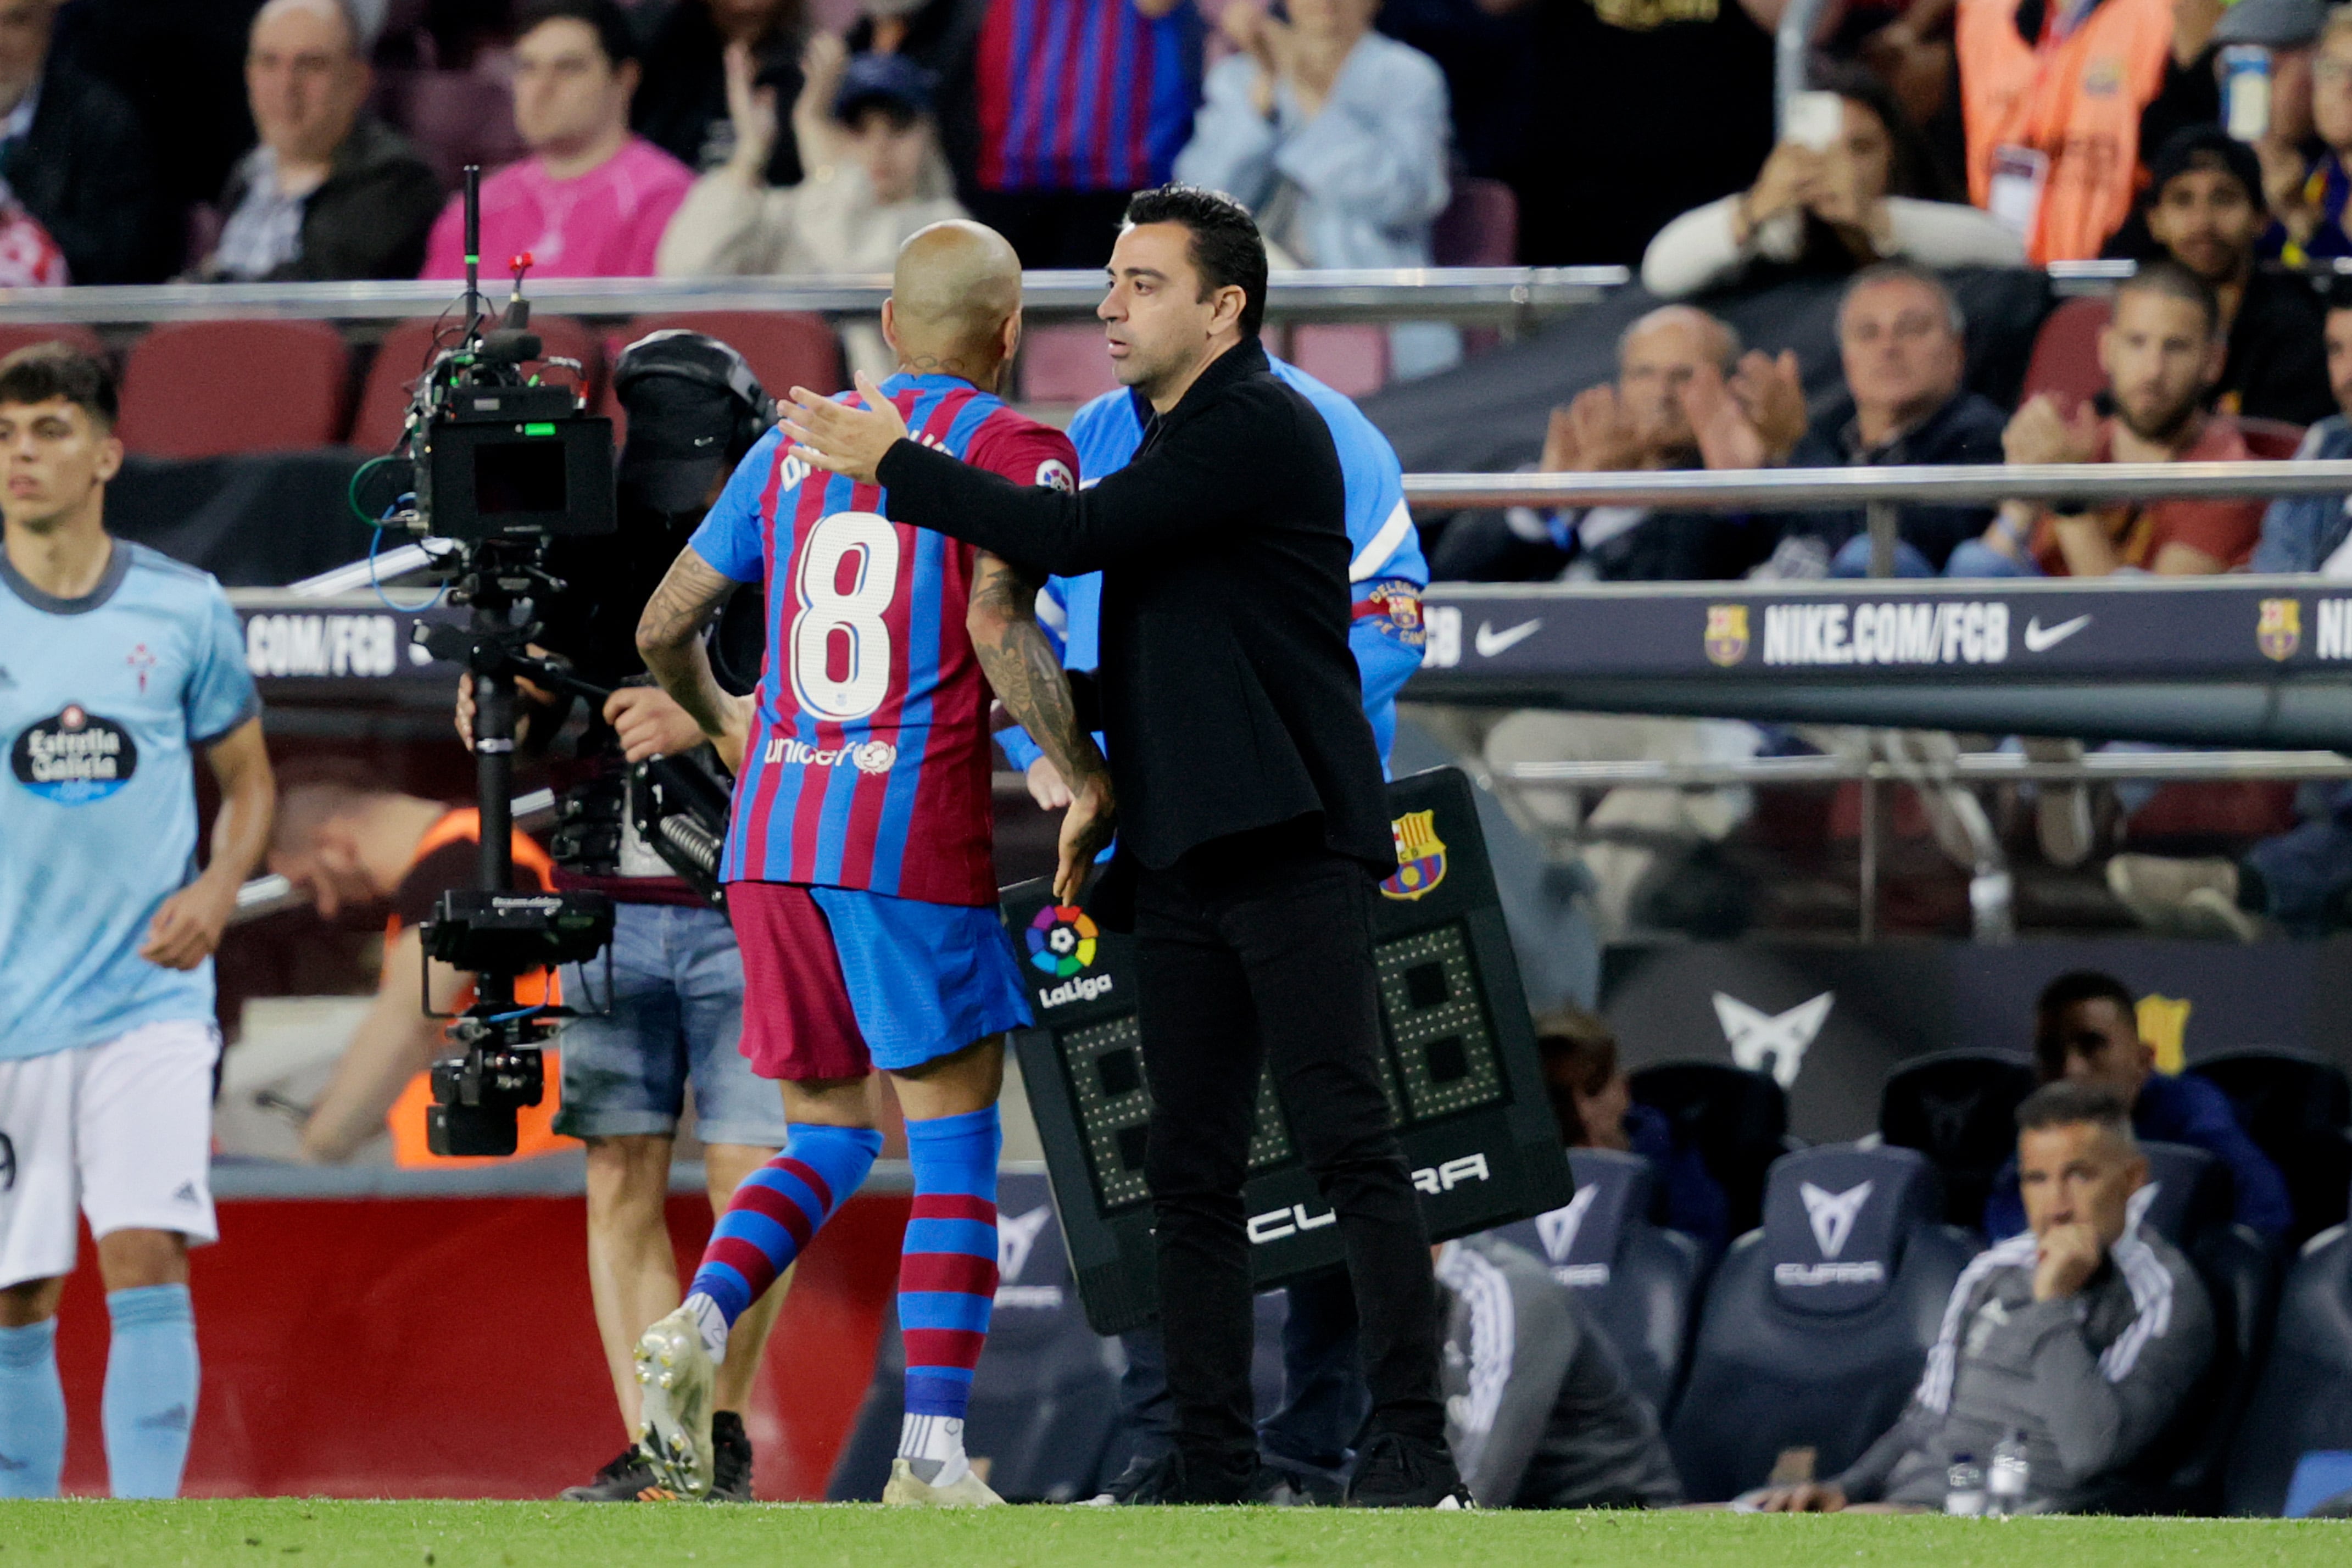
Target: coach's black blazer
[(1230, 698)]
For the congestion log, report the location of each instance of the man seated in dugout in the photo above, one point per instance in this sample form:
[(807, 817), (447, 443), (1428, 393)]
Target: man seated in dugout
[(2083, 1334)]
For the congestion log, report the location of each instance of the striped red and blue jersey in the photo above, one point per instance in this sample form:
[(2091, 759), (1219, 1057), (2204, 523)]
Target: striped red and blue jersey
[(868, 759), (1085, 95)]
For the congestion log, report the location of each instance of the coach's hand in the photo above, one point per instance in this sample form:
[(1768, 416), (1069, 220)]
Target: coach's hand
[(840, 439), (188, 927), (1086, 828), (1807, 1497), (650, 722), (2066, 1259)]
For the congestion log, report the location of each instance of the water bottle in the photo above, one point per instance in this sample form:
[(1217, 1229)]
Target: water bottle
[(2005, 1486), (1964, 1487), (2246, 91)]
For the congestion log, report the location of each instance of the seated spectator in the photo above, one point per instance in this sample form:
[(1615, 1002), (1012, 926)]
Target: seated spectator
[(2160, 352), (2311, 211), (2205, 211), (942, 36), (1857, 201), (2086, 1032), (1335, 137), (329, 192), (1593, 1101), (592, 200), (347, 843), (875, 176), (2300, 879), (684, 104), (2084, 1335), (1643, 420), (73, 160)]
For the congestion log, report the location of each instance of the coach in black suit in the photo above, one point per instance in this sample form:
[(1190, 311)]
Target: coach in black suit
[(1252, 820)]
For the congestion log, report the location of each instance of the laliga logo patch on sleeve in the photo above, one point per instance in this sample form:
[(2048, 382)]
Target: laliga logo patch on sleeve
[(1054, 475)]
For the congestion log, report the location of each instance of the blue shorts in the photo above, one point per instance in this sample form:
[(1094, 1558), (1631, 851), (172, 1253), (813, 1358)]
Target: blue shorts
[(838, 981)]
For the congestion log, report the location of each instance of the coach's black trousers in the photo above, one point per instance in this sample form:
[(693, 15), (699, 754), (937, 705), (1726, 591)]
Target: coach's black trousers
[(1253, 946)]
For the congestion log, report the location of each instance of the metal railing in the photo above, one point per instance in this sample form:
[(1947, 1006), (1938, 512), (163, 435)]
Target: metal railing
[(1792, 489)]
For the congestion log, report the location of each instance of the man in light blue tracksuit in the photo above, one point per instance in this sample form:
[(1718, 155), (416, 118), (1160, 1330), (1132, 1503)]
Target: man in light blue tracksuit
[(1323, 1399)]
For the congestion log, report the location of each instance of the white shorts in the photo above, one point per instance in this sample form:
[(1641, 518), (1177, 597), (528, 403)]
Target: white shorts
[(122, 1131)]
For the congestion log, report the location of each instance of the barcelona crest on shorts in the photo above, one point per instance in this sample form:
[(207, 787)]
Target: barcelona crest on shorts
[(2278, 629), (1421, 856)]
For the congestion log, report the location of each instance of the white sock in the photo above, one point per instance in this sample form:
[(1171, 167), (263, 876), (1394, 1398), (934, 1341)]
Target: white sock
[(712, 1323), (932, 1446)]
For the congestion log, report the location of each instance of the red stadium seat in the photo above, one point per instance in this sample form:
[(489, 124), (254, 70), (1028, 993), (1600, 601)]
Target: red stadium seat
[(2065, 361), (2270, 440), (456, 118), (1065, 363), (207, 389), (401, 357), (785, 348), (72, 334), (1479, 227), (1347, 358)]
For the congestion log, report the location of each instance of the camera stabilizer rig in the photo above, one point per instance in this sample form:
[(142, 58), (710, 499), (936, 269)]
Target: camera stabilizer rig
[(501, 464)]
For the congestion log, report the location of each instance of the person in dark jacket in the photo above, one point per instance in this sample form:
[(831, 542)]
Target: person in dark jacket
[(73, 155), (1593, 1102), (681, 106), (2086, 1031), (1253, 819), (329, 192)]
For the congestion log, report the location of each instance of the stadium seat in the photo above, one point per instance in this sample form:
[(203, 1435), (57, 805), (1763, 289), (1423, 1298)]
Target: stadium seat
[(1065, 364), (1344, 356), (1738, 1120), (72, 334), (2270, 440), (2065, 361), (1640, 1282), (1817, 1325), (1045, 1394), (1479, 227), (783, 347), (1959, 1108), (406, 351), (461, 116), (2297, 1107), (207, 389), (2303, 1401)]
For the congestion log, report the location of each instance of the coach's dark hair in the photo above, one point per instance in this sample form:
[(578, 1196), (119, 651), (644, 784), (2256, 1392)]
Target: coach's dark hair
[(614, 33), (2076, 1105), (1227, 249), (2169, 279), (46, 371)]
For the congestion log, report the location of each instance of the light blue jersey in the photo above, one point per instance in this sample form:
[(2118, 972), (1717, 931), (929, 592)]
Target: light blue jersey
[(103, 701), (1385, 574)]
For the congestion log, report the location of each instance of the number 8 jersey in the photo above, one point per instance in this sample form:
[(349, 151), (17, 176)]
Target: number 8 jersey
[(869, 755)]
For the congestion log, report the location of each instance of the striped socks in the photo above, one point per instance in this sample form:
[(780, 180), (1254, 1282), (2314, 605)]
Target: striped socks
[(946, 1284), (773, 1218)]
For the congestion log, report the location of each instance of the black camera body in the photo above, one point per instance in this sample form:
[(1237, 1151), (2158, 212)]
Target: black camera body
[(513, 462)]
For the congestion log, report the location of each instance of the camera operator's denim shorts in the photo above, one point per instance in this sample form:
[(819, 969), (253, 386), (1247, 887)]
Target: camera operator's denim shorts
[(676, 1019)]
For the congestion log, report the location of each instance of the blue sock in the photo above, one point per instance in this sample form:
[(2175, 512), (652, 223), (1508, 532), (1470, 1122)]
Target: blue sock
[(947, 1283), (32, 1412), (151, 1389), (774, 1216)]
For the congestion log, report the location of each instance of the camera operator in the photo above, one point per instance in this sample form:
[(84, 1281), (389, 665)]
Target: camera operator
[(694, 408)]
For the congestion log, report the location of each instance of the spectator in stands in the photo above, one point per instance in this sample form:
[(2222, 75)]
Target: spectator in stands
[(2086, 1033), (873, 177), (684, 104), (330, 190), (73, 159), (1830, 209), (2160, 352), (592, 200), (2085, 1335), (348, 843), (1056, 163), (1593, 1101), (1336, 138), (942, 36), (2311, 211), (2205, 210)]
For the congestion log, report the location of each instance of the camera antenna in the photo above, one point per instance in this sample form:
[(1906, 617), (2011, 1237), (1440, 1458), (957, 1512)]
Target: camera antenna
[(473, 251)]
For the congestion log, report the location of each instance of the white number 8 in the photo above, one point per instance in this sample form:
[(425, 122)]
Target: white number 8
[(825, 609)]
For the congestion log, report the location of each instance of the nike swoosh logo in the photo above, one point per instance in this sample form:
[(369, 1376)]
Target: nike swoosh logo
[(2040, 639), (1490, 642)]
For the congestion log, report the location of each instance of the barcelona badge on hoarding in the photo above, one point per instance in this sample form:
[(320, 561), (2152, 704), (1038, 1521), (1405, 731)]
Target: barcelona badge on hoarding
[(1727, 633), (2278, 629), (1421, 856)]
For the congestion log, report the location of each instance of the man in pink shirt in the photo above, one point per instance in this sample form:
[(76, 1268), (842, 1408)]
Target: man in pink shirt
[(592, 200)]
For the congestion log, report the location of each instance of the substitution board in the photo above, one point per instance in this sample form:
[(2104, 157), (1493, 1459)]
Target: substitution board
[(1458, 1062)]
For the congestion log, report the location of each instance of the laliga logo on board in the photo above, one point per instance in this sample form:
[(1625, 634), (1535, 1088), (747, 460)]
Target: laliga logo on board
[(1727, 633), (1421, 856), (1062, 941), (2278, 628)]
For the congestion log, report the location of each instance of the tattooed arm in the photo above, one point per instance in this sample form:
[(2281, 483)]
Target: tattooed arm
[(1028, 677), (670, 638)]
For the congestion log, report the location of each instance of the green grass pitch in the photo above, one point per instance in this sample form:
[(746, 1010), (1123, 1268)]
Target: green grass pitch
[(313, 1534)]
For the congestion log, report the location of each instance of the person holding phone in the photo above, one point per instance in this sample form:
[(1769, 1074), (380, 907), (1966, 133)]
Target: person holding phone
[(1849, 186)]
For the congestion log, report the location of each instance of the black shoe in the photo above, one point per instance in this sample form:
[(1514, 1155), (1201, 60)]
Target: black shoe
[(1168, 1480), (730, 1475), (627, 1479), (1393, 1471)]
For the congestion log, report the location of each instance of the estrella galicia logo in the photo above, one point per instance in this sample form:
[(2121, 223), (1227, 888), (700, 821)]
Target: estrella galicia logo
[(1062, 940), (74, 757)]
